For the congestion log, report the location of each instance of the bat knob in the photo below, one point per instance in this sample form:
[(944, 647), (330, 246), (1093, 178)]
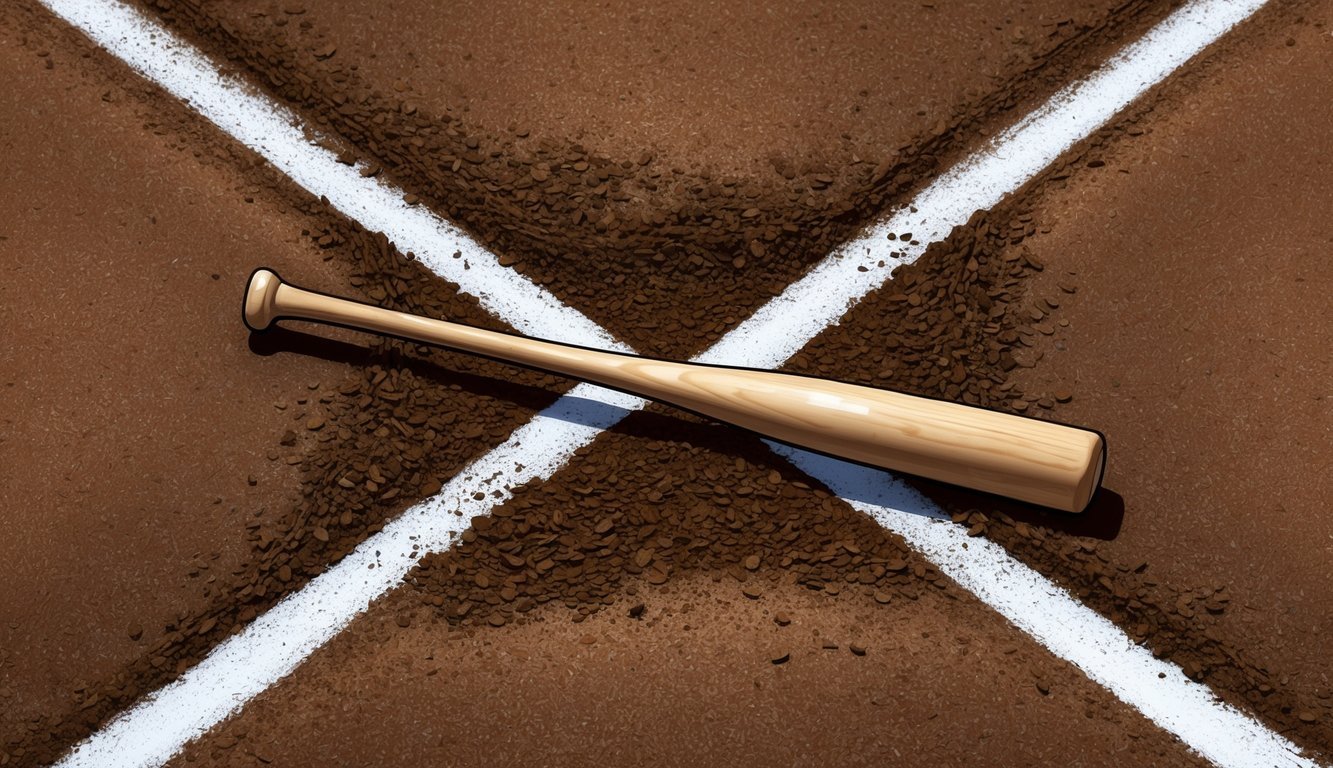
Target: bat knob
[(259, 309)]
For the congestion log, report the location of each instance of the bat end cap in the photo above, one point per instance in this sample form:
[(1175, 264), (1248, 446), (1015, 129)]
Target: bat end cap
[(259, 308), (1092, 478)]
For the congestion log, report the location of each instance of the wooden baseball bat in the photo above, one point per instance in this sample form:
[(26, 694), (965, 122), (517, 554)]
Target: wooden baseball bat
[(1036, 461)]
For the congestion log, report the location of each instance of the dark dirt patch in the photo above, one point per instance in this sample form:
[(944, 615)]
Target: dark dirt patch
[(691, 585), (667, 257), (578, 539)]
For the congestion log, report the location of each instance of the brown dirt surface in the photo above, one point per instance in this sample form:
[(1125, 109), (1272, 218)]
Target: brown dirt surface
[(1136, 289), (127, 382), (238, 467), (678, 601), (667, 246), (668, 517), (1209, 370)]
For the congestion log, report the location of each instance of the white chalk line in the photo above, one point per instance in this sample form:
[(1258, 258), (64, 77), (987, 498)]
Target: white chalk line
[(241, 667), (1072, 631), (249, 662), (274, 132)]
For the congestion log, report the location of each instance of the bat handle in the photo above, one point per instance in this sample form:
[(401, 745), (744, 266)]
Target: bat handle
[(1054, 465)]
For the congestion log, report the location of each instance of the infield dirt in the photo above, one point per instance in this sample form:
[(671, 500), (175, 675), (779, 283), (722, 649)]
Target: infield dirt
[(669, 227), (160, 477), (139, 430), (692, 681), (1175, 264), (632, 221), (1210, 369)]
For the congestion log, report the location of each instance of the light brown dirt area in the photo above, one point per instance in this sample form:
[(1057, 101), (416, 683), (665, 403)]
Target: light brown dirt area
[(693, 683)]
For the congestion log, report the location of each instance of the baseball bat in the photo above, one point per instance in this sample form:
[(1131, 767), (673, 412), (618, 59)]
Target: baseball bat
[(1053, 465)]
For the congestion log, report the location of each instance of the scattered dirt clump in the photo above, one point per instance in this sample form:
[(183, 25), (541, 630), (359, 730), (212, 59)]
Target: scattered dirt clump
[(951, 323), (638, 508)]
